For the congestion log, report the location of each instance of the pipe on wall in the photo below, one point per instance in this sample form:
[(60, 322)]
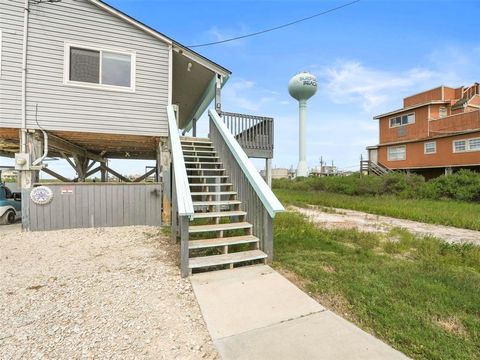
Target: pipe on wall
[(26, 11)]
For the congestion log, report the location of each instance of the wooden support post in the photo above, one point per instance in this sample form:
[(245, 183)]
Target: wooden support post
[(218, 97), (34, 146), (268, 172), (164, 160), (268, 236), (81, 164), (174, 216), (184, 255), (103, 175)]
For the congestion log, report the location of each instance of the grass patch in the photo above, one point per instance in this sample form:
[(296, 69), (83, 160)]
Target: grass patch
[(444, 212), (420, 295)]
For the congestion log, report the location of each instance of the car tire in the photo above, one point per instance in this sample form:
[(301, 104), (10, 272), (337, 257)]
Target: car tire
[(8, 217)]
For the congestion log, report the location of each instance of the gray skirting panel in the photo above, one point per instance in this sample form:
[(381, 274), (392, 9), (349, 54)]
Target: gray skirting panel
[(93, 205)]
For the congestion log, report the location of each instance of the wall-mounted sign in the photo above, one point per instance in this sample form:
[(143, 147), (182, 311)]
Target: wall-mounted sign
[(66, 190), (41, 195)]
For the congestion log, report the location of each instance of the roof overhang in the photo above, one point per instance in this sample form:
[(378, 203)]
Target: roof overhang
[(193, 78), (433, 102)]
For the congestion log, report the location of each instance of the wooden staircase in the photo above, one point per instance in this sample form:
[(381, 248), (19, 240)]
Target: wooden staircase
[(219, 235)]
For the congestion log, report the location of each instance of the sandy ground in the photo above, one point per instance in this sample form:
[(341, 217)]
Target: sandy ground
[(342, 218), (111, 293)]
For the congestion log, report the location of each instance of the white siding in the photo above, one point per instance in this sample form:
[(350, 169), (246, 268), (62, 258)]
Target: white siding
[(11, 26), (68, 108)]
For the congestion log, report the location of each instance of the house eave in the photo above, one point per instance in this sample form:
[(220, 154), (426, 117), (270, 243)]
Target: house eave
[(194, 56), (433, 102)]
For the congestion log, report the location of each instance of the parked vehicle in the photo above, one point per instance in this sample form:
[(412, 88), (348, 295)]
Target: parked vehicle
[(10, 205)]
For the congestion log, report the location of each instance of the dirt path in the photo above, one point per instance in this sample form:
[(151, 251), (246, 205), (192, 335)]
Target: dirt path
[(342, 218), (96, 294)]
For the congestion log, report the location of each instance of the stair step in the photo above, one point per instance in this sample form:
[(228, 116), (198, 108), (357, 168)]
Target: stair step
[(194, 139), (214, 193), (203, 162), (219, 227), (199, 151), (211, 184), (232, 258), (218, 202), (207, 176), (233, 240), (200, 156), (215, 214), (199, 146), (203, 169)]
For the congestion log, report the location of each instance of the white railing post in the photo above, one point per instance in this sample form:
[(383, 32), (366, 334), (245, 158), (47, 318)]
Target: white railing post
[(182, 205)]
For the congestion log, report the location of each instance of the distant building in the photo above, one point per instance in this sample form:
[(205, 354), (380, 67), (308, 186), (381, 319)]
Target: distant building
[(8, 173), (280, 173), (435, 132), (324, 170)]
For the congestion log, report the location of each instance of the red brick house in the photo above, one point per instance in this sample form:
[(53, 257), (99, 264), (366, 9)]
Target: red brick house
[(435, 132)]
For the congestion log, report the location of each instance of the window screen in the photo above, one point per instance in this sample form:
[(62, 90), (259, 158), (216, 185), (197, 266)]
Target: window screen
[(396, 153), (460, 145), (84, 65), (402, 120), (116, 69), (430, 147), (474, 144)]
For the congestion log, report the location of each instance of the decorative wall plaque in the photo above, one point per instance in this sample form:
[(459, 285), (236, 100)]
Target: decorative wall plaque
[(41, 195)]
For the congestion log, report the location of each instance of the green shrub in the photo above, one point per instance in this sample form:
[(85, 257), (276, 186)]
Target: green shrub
[(463, 185)]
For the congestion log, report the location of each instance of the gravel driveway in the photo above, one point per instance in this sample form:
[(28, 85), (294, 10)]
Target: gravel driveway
[(347, 219), (112, 293)]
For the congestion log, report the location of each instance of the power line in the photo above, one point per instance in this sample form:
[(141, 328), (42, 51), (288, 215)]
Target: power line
[(275, 28)]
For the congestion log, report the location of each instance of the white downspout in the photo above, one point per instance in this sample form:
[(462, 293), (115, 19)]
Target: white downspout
[(26, 11)]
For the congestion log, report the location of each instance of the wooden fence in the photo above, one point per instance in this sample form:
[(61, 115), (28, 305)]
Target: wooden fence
[(87, 205)]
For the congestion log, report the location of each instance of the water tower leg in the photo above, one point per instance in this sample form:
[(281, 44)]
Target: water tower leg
[(302, 168)]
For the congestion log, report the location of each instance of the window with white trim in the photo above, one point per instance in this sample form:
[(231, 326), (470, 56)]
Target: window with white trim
[(465, 145), (100, 68), (396, 153), (442, 112), (459, 146), (431, 147), (474, 144), (402, 120)]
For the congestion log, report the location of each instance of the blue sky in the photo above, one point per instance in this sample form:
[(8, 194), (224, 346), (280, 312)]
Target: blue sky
[(367, 57)]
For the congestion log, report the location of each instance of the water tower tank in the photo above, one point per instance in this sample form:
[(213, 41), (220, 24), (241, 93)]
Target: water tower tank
[(302, 87)]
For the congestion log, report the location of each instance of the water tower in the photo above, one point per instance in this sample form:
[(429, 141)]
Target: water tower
[(302, 87)]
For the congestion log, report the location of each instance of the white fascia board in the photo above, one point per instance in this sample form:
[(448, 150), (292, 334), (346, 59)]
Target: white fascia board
[(217, 69)]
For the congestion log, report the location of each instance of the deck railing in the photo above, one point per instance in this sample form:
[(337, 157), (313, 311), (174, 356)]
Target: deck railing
[(371, 168), (257, 198), (182, 204), (253, 133)]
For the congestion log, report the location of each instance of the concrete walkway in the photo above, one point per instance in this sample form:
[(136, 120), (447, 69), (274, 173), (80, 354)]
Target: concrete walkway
[(255, 313)]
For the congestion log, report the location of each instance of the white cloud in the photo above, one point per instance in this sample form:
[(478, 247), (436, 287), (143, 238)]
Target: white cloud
[(245, 95), (215, 34), (350, 81)]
